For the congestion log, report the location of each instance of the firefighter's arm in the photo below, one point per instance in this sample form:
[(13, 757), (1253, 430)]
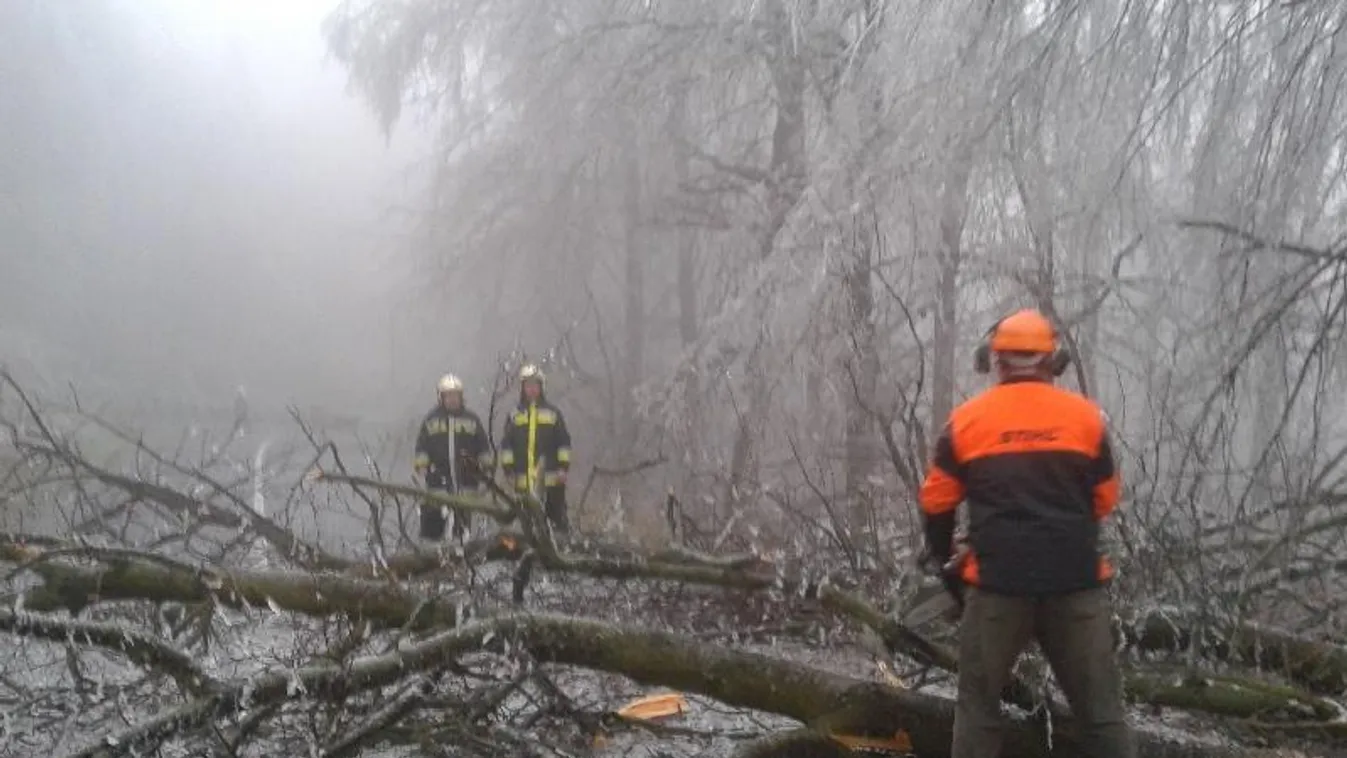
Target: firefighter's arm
[(941, 493), (1107, 482), (563, 444), (507, 447), (421, 461), (482, 448)]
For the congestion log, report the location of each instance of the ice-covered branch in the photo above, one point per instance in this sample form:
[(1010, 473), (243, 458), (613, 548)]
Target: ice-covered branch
[(137, 646)]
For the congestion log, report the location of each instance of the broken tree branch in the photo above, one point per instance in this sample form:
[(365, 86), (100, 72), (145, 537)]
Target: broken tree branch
[(473, 503), (139, 648), (318, 595)]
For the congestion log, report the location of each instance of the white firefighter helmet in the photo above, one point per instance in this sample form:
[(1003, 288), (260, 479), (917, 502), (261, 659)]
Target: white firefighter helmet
[(530, 371), (450, 383)]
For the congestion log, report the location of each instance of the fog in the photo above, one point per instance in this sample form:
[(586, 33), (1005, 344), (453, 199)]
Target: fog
[(755, 245), (712, 245), (192, 203)]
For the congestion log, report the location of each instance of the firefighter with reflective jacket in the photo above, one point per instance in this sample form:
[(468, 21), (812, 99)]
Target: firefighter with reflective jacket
[(1034, 465), (535, 450), (453, 455)]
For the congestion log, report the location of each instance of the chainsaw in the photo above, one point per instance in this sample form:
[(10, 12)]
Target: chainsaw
[(945, 600)]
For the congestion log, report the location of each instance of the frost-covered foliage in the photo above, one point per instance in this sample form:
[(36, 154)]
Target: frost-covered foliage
[(766, 234), (181, 618), (753, 242)]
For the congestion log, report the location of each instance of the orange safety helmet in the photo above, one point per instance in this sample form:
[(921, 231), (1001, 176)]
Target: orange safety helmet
[(1025, 331)]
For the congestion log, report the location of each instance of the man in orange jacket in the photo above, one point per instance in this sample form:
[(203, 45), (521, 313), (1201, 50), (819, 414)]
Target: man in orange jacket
[(1034, 465)]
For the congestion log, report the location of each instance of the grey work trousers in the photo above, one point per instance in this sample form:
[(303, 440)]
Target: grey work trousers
[(1076, 635)]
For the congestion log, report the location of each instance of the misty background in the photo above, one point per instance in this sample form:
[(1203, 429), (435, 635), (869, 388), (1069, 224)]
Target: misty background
[(754, 244), (190, 203)]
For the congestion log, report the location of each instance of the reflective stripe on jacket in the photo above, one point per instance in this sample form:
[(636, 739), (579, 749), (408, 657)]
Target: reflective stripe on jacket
[(459, 435), (533, 433)]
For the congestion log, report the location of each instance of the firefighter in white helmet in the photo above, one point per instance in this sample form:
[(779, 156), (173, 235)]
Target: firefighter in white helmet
[(535, 450), (453, 455)]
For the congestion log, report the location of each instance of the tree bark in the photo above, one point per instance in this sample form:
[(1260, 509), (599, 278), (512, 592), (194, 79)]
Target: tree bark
[(634, 291), (1318, 666), (688, 330), (320, 595), (390, 606), (785, 180), (953, 209)]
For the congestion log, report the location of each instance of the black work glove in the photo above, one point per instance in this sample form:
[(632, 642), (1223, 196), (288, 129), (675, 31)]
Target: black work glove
[(931, 561), (953, 584), (947, 568)]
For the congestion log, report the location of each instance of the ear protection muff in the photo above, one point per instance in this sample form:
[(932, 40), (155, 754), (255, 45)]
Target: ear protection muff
[(982, 354), (1061, 361), (1061, 357)]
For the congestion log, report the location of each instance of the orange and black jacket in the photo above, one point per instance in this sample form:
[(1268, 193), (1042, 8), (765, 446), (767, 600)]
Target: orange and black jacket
[(1034, 464)]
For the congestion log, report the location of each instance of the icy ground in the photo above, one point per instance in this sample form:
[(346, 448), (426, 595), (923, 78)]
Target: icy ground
[(45, 713)]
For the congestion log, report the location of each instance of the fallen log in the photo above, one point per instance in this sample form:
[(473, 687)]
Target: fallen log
[(826, 703), (796, 743), (501, 547), (1320, 667), (1230, 697), (390, 605), (313, 594), (467, 502)]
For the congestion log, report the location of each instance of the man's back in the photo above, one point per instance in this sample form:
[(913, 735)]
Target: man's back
[(1034, 465), (1032, 458)]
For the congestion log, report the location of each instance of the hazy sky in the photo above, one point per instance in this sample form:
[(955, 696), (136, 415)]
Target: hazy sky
[(221, 217)]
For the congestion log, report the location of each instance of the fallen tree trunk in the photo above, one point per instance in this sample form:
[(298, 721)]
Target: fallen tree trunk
[(1226, 696), (1229, 696), (796, 743), (320, 595), (829, 704), (467, 502), (1318, 666), (388, 605), (675, 564), (618, 561), (501, 547)]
